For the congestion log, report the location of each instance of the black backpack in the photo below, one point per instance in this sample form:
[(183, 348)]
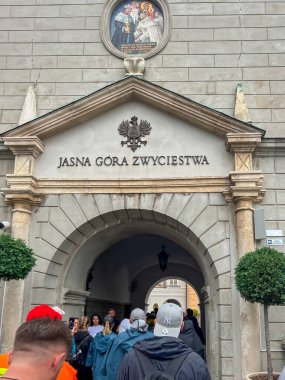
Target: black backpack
[(78, 359), (151, 373)]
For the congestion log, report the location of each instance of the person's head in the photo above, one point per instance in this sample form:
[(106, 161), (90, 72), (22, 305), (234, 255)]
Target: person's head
[(112, 312), (169, 320), (95, 320), (137, 314), (189, 312), (108, 324), (41, 343), (75, 324), (83, 323), (43, 311), (145, 6), (138, 320), (134, 4), (127, 9)]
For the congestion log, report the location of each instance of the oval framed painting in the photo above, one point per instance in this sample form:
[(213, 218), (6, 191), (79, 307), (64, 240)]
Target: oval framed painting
[(135, 28)]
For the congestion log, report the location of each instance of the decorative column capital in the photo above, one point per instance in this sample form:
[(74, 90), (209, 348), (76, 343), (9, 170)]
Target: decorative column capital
[(22, 190), (26, 150), (246, 186), (24, 146), (243, 145), (242, 142)]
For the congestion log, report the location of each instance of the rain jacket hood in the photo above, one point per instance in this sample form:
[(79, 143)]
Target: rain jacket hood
[(162, 348), (103, 342), (96, 355), (161, 351), (120, 347)]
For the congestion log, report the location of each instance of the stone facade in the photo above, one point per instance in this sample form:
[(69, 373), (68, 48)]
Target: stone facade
[(213, 46), (100, 220)]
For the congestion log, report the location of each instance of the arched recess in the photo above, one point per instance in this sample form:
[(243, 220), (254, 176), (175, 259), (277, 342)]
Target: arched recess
[(78, 228), (165, 278)]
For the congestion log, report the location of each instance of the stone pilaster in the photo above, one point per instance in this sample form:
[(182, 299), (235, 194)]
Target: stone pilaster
[(22, 194), (245, 190)]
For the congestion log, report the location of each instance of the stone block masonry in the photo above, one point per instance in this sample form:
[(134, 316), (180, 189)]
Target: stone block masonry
[(214, 45)]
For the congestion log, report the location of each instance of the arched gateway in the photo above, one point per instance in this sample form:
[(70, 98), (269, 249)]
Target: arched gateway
[(136, 160)]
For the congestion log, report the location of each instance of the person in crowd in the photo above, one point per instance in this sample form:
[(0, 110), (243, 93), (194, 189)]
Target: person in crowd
[(67, 372), (112, 313), (75, 326), (189, 336), (125, 341), (125, 324), (40, 349), (95, 325), (150, 318), (164, 353), (199, 331), (98, 348), (82, 341)]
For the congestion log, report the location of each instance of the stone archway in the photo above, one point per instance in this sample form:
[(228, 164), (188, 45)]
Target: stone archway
[(73, 230), (164, 296)]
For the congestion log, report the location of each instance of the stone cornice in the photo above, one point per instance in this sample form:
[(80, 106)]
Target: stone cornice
[(21, 183), (25, 196), (245, 185), (5, 153), (31, 146), (271, 147), (175, 185), (242, 142), (22, 189), (131, 89)]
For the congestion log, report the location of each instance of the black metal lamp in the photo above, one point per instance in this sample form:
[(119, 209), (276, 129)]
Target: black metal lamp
[(163, 259)]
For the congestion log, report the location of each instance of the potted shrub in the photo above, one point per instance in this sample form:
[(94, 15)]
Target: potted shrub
[(260, 277), (16, 258)]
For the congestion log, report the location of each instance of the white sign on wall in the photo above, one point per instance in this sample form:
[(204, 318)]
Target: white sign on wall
[(274, 241), (274, 233)]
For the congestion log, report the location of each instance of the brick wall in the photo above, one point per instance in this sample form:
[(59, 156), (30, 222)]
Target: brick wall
[(214, 45)]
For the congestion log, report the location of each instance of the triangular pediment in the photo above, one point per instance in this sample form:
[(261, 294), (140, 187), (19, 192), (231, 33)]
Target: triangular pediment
[(126, 90)]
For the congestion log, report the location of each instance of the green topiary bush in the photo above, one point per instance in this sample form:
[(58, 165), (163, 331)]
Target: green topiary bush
[(16, 258), (260, 278)]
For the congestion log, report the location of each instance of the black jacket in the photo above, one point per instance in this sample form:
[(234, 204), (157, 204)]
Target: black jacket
[(160, 350), (83, 338), (189, 336)]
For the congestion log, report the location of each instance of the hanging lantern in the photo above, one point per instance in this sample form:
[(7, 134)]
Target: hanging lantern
[(163, 259)]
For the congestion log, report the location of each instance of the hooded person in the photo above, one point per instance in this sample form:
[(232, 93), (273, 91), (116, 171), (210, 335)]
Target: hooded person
[(164, 356), (67, 372), (189, 336), (98, 348), (124, 342)]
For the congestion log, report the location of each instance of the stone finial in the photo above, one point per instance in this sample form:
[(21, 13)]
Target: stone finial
[(241, 110), (29, 110), (134, 66)]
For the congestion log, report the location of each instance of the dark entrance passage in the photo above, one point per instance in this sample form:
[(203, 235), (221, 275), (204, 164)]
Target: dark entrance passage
[(122, 275)]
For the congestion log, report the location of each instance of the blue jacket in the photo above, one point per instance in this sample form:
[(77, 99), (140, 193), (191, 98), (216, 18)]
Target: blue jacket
[(96, 354), (119, 348)]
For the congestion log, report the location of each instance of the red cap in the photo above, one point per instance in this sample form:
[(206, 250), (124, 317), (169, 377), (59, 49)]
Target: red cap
[(43, 311)]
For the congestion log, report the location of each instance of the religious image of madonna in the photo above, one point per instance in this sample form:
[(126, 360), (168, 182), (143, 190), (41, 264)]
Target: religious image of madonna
[(136, 27)]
